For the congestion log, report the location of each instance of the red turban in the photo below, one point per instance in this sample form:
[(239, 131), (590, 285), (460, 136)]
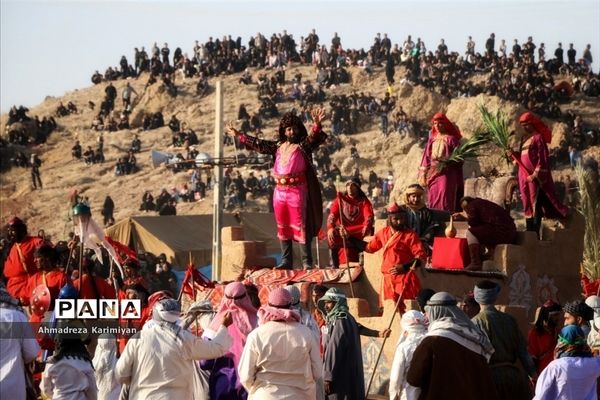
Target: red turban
[(451, 129), (538, 125), (394, 208)]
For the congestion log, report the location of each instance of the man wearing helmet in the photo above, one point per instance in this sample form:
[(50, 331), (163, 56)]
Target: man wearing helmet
[(297, 197)]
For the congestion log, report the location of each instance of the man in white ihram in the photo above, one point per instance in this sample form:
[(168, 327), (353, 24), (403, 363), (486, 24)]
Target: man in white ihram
[(157, 363)]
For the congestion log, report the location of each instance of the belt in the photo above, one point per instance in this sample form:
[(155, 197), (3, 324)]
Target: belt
[(290, 180)]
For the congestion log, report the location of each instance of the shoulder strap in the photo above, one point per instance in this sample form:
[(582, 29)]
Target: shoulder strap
[(21, 257)]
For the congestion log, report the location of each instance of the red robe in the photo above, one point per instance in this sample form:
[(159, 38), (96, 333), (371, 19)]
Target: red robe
[(490, 223), (17, 270), (54, 280), (105, 291), (399, 247), (535, 157), (541, 348), (357, 214)]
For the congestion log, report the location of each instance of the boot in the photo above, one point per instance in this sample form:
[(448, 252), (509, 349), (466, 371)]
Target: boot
[(287, 255), (306, 254), (334, 256), (475, 258), (533, 225)]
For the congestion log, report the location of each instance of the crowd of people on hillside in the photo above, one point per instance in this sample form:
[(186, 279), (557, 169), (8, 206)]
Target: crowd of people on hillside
[(519, 74), (279, 348)]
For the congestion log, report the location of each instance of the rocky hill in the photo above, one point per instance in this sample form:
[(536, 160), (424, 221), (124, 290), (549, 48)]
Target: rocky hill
[(48, 208)]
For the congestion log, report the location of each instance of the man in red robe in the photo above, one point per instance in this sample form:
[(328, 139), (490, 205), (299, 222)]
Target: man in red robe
[(489, 225), (92, 286), (47, 276), (19, 264), (535, 179), (356, 213), (402, 250)]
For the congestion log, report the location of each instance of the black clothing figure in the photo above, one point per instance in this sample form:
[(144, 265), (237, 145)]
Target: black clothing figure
[(108, 209), (35, 171)]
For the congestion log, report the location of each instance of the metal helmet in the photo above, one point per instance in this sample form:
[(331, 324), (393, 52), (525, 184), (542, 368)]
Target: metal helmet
[(68, 292), (82, 209), (40, 300)]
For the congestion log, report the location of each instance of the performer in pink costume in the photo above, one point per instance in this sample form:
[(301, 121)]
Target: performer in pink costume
[(446, 186), (535, 179), (297, 198)]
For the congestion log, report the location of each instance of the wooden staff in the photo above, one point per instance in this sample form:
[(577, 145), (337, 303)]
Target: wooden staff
[(340, 201), (410, 271)]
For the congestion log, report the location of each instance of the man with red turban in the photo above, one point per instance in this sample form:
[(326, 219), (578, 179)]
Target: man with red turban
[(445, 185), (538, 194), (297, 197), (402, 250)]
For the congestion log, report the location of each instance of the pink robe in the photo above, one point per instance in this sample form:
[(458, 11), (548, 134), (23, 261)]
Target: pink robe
[(535, 158), (289, 202), (445, 187), (298, 208)]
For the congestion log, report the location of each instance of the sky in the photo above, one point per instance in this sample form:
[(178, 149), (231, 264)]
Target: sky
[(50, 47)]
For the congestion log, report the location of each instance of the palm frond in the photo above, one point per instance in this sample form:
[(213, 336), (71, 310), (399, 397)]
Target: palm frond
[(467, 149), (589, 206), (496, 128)]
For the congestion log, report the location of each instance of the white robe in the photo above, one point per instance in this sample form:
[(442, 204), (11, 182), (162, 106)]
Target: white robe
[(281, 360), (16, 351), (158, 365), (69, 379), (399, 388), (569, 378)]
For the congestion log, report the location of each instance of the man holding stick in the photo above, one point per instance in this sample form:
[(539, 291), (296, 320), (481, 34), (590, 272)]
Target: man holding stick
[(350, 214), (402, 250), (535, 179)]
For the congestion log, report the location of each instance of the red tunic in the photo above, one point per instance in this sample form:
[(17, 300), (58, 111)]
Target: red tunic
[(19, 266), (54, 280), (399, 247), (357, 214), (105, 291), (541, 348)]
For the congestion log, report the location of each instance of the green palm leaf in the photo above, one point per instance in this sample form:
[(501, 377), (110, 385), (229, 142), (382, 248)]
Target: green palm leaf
[(589, 206), (496, 129), (467, 149)]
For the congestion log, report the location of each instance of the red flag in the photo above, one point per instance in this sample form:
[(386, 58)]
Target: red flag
[(194, 280), (124, 253)]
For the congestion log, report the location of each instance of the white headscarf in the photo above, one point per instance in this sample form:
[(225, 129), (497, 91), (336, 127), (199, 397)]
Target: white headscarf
[(413, 323)]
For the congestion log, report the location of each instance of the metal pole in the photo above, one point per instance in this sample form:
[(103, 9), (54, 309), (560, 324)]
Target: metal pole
[(218, 184)]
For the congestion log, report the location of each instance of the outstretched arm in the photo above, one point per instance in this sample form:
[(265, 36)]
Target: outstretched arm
[(251, 142), (316, 135)]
